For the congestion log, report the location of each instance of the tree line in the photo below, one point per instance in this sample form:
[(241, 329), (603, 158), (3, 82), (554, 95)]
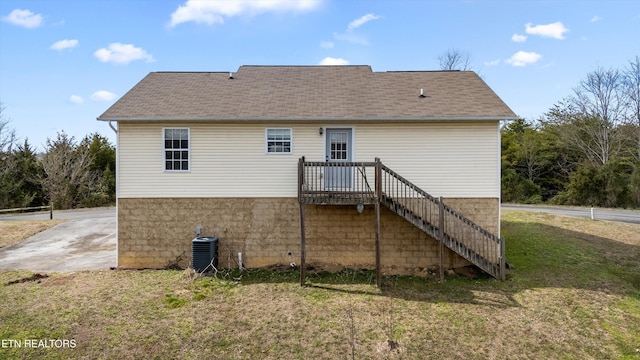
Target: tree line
[(584, 151), (67, 174)]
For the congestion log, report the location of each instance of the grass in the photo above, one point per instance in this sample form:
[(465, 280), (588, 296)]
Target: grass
[(13, 232), (574, 293)]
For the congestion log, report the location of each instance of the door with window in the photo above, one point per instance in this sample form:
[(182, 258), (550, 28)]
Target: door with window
[(338, 150)]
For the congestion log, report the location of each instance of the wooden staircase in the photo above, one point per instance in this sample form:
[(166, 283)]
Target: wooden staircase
[(387, 188)]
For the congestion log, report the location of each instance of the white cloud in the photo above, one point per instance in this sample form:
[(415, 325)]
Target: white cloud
[(555, 30), (333, 61), (64, 44), (523, 58), (519, 38), (327, 44), (492, 62), (361, 21), (24, 18), (212, 12), (596, 18), (76, 99), (351, 37), (103, 95), (118, 53)]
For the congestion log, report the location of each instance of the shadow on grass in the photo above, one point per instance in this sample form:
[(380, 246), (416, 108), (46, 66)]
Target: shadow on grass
[(541, 255)]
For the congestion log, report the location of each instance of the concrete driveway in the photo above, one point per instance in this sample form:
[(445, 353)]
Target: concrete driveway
[(86, 241)]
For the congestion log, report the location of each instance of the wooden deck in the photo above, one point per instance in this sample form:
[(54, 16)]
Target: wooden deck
[(366, 183)]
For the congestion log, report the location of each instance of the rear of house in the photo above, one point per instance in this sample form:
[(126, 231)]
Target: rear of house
[(221, 151)]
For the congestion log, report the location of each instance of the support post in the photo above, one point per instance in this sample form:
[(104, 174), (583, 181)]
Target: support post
[(441, 236), (303, 246), (302, 229), (378, 199)]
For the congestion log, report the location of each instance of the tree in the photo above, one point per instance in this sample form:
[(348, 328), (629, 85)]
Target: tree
[(7, 139), (589, 119), (455, 59), (7, 135), (20, 187), (585, 151), (104, 168), (631, 92), (67, 175), (521, 163)]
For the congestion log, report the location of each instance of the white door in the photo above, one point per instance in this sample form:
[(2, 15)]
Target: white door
[(338, 150)]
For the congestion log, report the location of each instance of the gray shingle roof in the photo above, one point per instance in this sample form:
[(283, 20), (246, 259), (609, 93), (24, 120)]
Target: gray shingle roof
[(309, 93)]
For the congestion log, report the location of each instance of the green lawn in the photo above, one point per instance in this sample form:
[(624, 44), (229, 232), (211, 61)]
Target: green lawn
[(573, 293)]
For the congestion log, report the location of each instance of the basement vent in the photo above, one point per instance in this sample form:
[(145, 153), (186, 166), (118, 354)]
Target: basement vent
[(204, 253)]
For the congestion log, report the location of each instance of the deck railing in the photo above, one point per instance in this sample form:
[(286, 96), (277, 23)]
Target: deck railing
[(337, 182), (345, 183)]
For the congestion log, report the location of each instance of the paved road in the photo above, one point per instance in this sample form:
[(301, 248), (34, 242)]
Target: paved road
[(86, 241), (630, 216)]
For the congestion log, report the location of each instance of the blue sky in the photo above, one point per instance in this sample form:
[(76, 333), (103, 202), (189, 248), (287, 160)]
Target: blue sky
[(63, 63)]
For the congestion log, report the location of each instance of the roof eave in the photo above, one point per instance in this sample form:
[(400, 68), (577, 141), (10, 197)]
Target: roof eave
[(313, 119)]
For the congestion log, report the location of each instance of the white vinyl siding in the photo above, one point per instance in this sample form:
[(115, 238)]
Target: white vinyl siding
[(451, 159)]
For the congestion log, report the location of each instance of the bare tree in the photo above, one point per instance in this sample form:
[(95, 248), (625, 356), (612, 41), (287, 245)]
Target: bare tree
[(7, 140), (531, 154), (589, 120), (7, 135), (67, 174), (631, 93), (600, 95), (455, 59)]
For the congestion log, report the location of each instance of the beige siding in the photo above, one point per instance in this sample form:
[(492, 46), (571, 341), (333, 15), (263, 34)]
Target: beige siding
[(454, 159)]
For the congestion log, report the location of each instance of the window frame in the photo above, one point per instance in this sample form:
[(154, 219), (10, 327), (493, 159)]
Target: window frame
[(164, 150), (266, 141)]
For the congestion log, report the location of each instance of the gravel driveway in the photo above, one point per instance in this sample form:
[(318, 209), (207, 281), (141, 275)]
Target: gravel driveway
[(86, 241)]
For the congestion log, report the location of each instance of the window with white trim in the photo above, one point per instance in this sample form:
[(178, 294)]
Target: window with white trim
[(176, 149), (278, 141)]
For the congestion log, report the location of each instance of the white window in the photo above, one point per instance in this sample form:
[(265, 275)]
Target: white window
[(176, 149), (278, 141)]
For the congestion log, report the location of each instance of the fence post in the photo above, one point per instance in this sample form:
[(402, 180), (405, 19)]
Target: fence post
[(51, 211)]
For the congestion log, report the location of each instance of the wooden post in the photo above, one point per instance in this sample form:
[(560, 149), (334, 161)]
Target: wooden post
[(303, 246), (378, 199), (51, 211), (441, 236), (302, 230)]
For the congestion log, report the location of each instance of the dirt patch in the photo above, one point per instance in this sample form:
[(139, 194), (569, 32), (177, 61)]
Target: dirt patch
[(35, 277), (389, 349), (58, 280), (470, 272)]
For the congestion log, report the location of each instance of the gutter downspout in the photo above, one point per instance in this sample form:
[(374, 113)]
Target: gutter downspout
[(117, 190), (113, 128)]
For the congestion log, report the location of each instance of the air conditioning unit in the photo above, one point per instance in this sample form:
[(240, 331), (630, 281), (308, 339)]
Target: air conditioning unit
[(204, 253)]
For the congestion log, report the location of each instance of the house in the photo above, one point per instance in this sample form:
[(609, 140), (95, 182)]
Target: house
[(321, 164)]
